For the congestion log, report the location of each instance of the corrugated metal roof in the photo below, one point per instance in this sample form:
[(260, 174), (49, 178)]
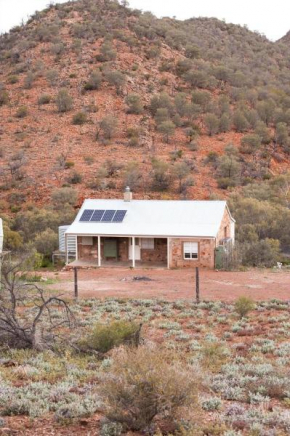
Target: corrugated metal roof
[(154, 218)]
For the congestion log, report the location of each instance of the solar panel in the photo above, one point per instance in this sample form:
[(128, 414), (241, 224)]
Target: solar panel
[(86, 216), (108, 216), (119, 216), (97, 215)]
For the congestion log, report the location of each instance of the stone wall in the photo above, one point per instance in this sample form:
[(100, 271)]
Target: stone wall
[(90, 252), (205, 253), (159, 254), (225, 228)]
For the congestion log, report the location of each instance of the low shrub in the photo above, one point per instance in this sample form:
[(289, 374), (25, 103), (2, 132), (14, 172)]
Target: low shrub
[(146, 382), (244, 305), (44, 99), (79, 118), (21, 112), (105, 337)]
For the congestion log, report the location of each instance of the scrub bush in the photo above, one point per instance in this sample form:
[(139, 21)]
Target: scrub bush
[(144, 383)]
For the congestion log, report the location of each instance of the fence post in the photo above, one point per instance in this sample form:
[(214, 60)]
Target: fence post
[(197, 284), (76, 283)]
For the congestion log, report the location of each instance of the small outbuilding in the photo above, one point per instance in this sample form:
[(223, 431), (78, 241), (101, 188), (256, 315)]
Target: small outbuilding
[(149, 233)]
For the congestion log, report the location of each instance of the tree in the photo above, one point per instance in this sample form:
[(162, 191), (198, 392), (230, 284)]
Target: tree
[(180, 171), (192, 51), (262, 130), (64, 101), (133, 176), (211, 123), (161, 101), (281, 134), (264, 253), (108, 53), (196, 78), (180, 101), (117, 79), (108, 125), (134, 103), (52, 77), (64, 196), (266, 110), (229, 171), (250, 143), (94, 82), (160, 175), (202, 98), (19, 326), (224, 123), (240, 122), (4, 97), (162, 114), (167, 128), (46, 242)]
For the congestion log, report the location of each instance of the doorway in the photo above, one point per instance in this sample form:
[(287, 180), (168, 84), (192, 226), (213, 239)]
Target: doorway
[(137, 249)]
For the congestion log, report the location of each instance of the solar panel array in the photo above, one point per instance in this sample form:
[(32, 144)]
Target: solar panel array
[(103, 216)]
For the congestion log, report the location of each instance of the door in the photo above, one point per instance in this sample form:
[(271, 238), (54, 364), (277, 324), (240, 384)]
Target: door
[(110, 248), (137, 249)]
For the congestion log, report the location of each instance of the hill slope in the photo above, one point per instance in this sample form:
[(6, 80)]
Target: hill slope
[(76, 108)]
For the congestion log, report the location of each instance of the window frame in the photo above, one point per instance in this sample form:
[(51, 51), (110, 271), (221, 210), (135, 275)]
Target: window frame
[(87, 240), (193, 255), (149, 243)]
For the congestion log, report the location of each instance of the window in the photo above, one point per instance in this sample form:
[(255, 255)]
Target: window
[(147, 243), (87, 240), (190, 250)]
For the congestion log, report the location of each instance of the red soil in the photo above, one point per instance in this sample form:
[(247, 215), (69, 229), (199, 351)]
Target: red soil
[(175, 284)]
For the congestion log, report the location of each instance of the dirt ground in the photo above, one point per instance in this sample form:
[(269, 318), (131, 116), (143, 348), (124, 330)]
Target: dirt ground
[(174, 284)]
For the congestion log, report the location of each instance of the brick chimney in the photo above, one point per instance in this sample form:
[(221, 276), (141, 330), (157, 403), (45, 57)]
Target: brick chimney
[(127, 194)]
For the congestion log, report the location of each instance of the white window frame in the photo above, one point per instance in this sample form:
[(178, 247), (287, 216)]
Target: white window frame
[(147, 243), (190, 250)]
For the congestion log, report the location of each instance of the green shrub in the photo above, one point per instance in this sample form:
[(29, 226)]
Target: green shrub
[(44, 99), (64, 102), (21, 112), (4, 97), (13, 79), (105, 337), (244, 305), (75, 178), (79, 118), (134, 103), (94, 81), (146, 382)]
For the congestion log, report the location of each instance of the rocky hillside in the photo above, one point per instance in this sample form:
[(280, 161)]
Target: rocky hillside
[(95, 96)]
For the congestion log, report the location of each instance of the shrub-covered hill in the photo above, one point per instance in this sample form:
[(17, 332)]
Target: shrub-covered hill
[(95, 96)]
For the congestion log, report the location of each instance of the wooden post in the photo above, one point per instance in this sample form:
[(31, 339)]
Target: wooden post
[(76, 283), (197, 284)]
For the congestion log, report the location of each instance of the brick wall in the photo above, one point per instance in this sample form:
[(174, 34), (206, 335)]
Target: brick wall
[(205, 255), (159, 254), (90, 252), (225, 228)]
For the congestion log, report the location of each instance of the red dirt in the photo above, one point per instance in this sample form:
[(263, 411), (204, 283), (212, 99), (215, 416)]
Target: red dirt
[(175, 284)]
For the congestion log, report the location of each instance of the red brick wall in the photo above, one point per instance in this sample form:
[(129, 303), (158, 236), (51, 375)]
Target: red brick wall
[(205, 258), (159, 254), (90, 252)]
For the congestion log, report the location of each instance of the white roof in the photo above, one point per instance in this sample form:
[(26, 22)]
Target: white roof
[(159, 218)]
